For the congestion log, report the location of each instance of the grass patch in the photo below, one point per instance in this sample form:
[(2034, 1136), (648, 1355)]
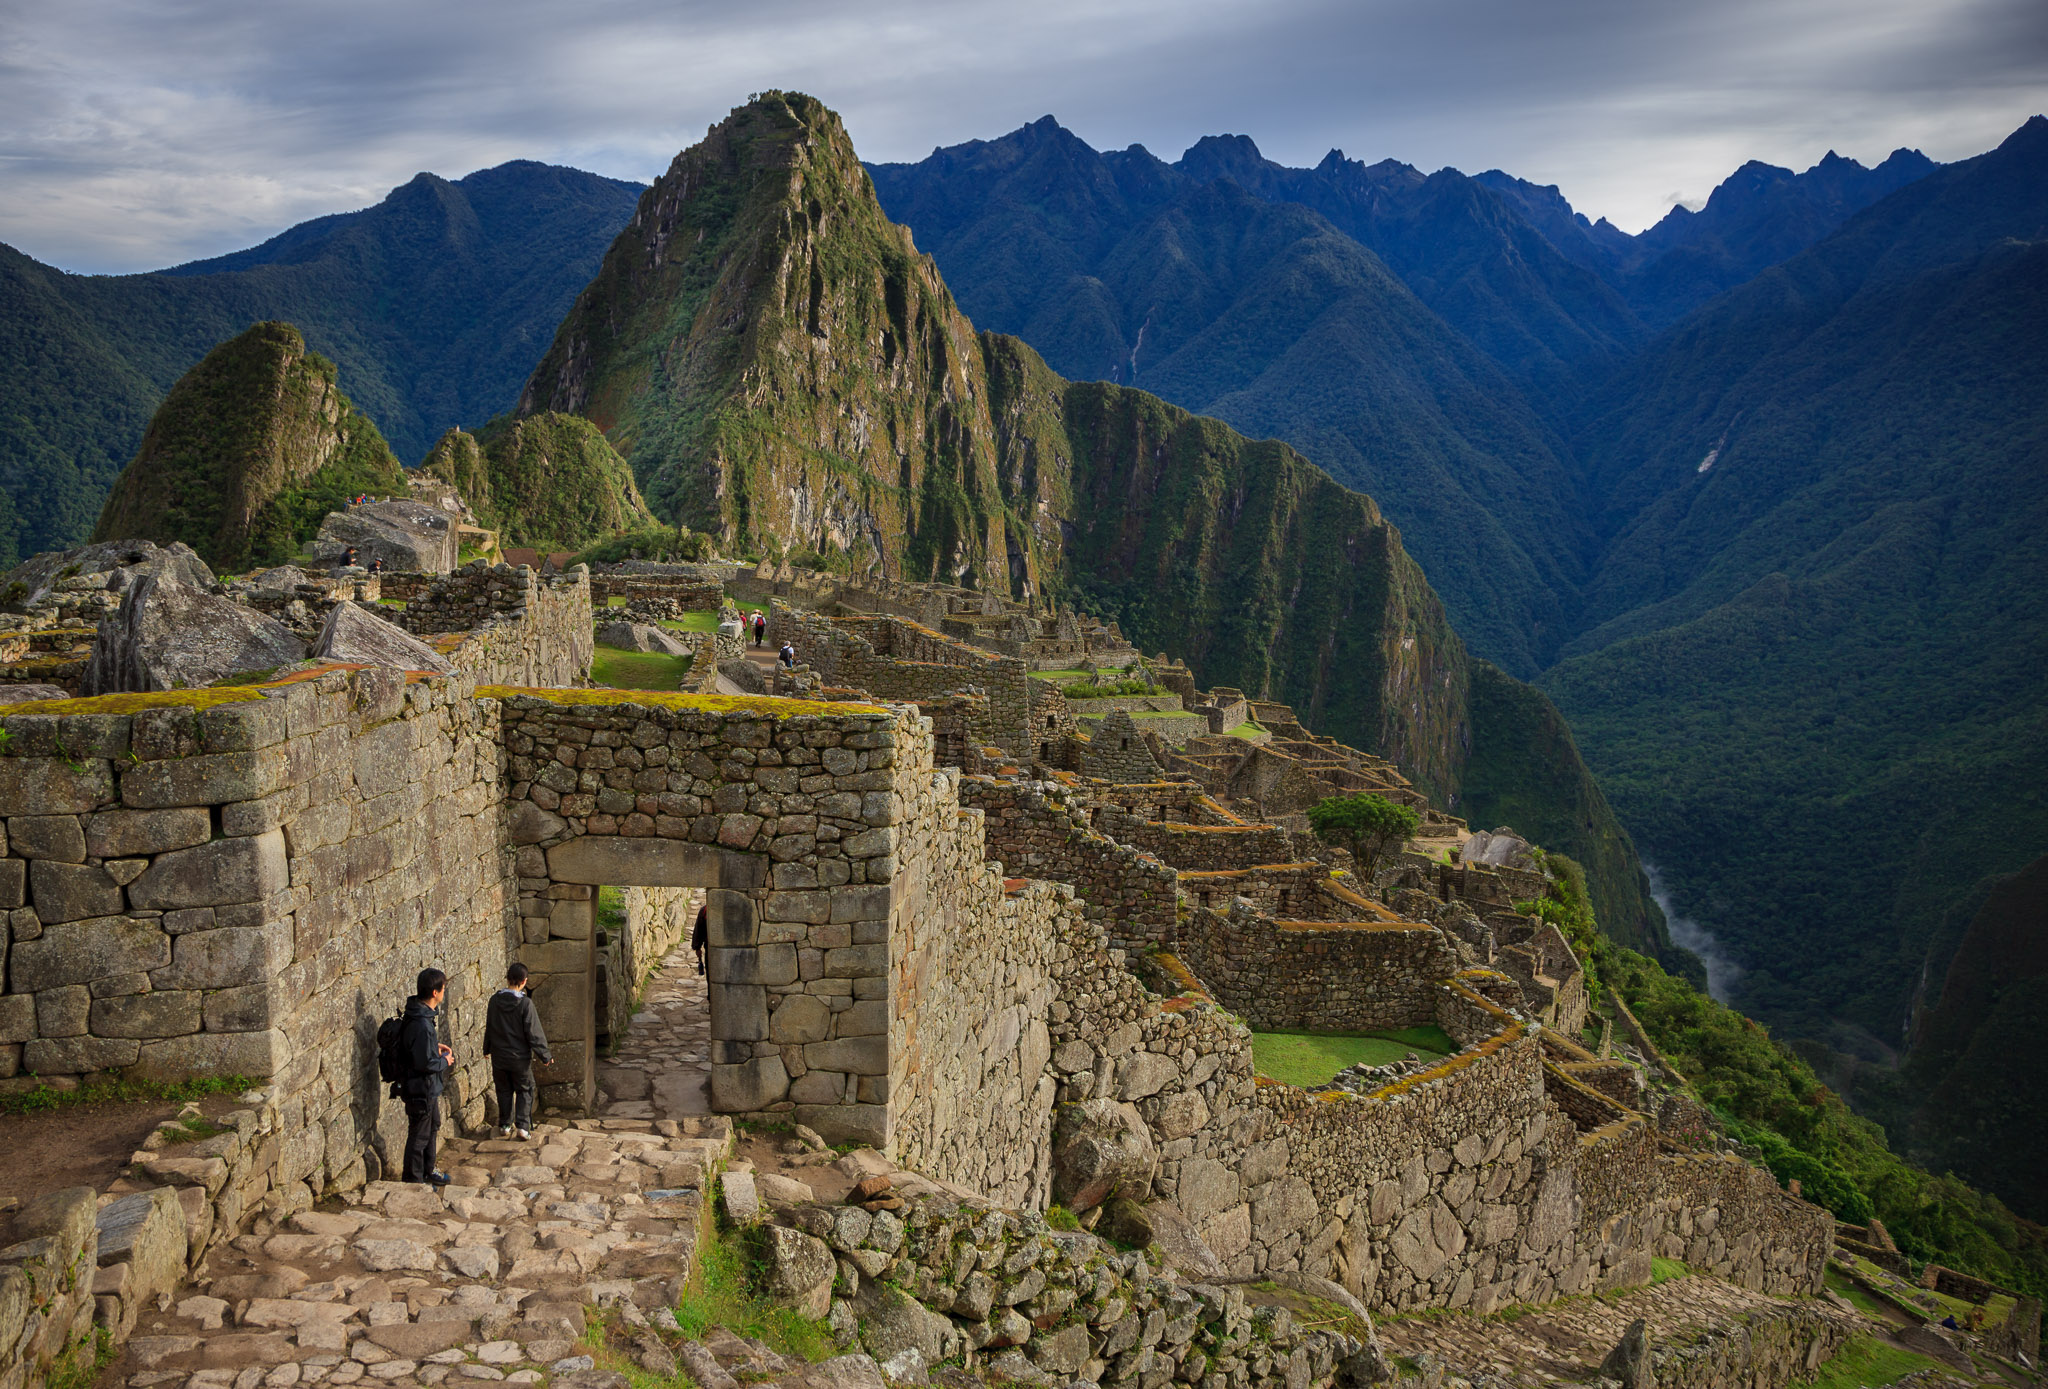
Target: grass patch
[(638, 670), (1247, 729), (1057, 676), (1855, 1295), (1866, 1363), (1060, 1218), (615, 601), (1664, 1270), (398, 603), (191, 1131), (81, 1368), (1310, 1059), (729, 1290), (114, 1090)]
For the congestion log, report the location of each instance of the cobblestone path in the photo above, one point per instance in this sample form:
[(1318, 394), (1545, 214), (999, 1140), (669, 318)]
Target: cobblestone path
[(663, 1068), (484, 1280)]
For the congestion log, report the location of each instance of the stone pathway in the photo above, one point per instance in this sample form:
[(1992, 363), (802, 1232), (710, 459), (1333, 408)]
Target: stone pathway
[(663, 1068), (485, 1280)]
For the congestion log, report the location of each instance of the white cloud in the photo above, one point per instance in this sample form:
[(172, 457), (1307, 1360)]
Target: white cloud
[(140, 133)]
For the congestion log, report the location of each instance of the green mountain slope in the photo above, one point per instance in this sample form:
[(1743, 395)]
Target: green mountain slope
[(435, 304), (248, 452), (1811, 683), (775, 360), (550, 481)]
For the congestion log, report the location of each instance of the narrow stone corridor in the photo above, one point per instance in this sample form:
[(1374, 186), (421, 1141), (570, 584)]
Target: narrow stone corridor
[(662, 1070)]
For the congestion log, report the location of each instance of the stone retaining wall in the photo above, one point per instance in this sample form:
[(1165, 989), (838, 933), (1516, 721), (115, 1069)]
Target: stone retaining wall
[(1033, 829), (1005, 1294), (1298, 976), (1202, 846)]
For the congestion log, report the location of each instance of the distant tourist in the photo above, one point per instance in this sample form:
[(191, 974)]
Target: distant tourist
[(700, 935), (426, 1068), (377, 565), (513, 1040), (760, 630), (788, 655), (348, 558)]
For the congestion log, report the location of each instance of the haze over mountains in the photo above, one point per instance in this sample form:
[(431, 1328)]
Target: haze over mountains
[(1758, 496)]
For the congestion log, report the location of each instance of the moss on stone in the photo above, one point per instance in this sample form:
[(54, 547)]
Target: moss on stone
[(765, 705), (136, 703)]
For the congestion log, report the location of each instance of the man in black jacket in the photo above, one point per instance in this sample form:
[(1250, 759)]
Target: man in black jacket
[(426, 1065), (513, 1039)]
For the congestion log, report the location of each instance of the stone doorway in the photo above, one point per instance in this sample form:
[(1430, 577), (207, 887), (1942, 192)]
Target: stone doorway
[(621, 911)]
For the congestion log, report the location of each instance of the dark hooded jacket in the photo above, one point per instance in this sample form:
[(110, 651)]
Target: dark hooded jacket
[(512, 1035), (419, 1042)]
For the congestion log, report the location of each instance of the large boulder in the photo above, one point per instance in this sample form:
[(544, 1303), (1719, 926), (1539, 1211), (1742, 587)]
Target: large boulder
[(408, 536), (1101, 1148), (167, 636), (353, 634), (640, 636), (102, 571)]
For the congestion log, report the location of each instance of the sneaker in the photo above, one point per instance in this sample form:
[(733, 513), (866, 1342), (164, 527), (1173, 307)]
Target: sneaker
[(524, 1135), (439, 1179), (505, 1132)]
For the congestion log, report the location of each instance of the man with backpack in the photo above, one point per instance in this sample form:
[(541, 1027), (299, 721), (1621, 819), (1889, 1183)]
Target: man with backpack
[(513, 1039), (760, 630), (424, 1060)]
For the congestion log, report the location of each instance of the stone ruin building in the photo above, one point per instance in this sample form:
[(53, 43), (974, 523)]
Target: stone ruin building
[(1014, 954)]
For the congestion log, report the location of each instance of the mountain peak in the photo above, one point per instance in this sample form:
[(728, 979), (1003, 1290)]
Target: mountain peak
[(250, 448)]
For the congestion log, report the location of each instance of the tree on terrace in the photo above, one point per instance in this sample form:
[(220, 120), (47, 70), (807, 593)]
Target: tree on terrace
[(1366, 824)]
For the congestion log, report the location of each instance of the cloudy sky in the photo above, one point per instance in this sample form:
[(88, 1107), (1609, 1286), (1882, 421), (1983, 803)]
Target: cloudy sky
[(141, 133)]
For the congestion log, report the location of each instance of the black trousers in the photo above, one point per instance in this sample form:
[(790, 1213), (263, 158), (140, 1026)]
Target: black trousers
[(422, 1136), (515, 1092)]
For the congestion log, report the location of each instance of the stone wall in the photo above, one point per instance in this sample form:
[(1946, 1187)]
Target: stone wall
[(782, 809), (46, 1281), (1284, 891), (895, 659), (1034, 831), (517, 627), (671, 593), (248, 886), (1201, 846), (1296, 976), (1007, 1296)]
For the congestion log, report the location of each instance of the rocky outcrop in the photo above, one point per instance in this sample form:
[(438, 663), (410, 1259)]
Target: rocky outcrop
[(352, 634), (408, 536), (247, 452), (170, 637)]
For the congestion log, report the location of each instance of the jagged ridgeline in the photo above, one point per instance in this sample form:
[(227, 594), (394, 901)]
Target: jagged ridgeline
[(251, 448), (775, 359), (550, 480)]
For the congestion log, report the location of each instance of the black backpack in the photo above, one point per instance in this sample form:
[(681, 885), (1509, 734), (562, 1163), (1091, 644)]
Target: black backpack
[(390, 1053)]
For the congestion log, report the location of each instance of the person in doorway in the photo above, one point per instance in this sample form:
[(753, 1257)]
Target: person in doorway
[(514, 1041), (788, 656), (426, 1070), (760, 630), (700, 935), (377, 565)]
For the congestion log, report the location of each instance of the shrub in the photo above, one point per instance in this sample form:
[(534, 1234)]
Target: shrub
[(1366, 824)]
